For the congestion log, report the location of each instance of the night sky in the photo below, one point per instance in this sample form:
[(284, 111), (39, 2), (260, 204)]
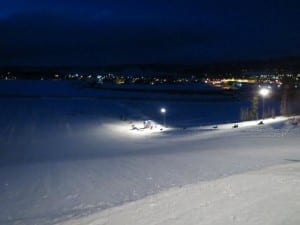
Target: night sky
[(91, 32)]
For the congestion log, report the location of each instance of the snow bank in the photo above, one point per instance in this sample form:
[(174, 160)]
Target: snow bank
[(268, 196)]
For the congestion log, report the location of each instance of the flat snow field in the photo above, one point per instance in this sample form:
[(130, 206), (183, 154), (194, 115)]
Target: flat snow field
[(67, 156)]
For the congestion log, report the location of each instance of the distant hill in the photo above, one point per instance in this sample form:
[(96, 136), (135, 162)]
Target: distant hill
[(286, 64)]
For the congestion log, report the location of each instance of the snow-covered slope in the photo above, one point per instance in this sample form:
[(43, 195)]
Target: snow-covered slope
[(265, 197), (63, 158)]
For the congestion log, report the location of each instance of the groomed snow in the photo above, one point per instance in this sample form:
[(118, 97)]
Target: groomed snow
[(265, 197), (67, 158)]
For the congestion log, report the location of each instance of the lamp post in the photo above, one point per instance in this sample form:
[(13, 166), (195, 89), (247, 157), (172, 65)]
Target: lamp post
[(163, 111), (263, 92)]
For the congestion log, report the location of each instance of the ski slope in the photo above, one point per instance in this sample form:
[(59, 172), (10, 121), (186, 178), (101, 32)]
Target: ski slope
[(268, 196), (68, 158)]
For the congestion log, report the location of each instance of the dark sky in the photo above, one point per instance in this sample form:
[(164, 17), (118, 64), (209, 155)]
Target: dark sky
[(90, 32)]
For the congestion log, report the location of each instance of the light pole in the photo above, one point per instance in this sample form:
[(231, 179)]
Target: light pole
[(163, 111), (263, 92)]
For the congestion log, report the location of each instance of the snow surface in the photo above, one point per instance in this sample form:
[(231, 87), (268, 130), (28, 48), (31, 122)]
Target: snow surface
[(269, 196), (66, 158)]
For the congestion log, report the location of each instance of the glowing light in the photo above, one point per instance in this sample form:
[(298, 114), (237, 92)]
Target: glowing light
[(163, 110), (264, 92)]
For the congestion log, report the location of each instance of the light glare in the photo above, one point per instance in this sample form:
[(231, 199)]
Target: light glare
[(163, 110), (264, 92)]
